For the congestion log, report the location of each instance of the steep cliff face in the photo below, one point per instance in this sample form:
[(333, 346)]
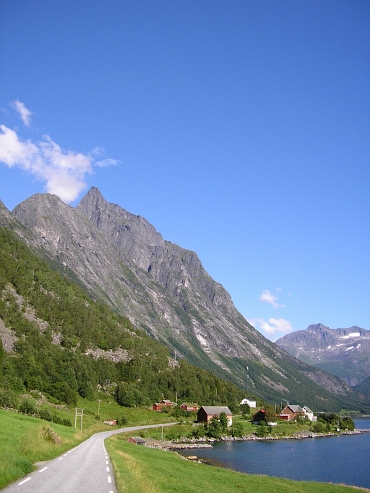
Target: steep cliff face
[(159, 285), (342, 352), (120, 258)]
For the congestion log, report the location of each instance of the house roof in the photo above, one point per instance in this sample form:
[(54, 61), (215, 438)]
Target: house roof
[(295, 408), (217, 410), (138, 439), (307, 409)]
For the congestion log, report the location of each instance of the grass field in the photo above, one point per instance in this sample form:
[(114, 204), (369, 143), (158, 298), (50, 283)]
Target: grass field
[(143, 470), (26, 440)]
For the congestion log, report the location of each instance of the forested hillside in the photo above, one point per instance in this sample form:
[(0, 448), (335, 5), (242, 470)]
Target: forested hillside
[(58, 340)]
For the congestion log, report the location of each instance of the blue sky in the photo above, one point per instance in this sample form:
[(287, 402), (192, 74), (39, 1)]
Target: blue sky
[(239, 129)]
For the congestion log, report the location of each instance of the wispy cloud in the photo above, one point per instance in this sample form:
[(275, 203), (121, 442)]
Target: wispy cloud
[(267, 297), (64, 172), (106, 162), (275, 327), (23, 112)]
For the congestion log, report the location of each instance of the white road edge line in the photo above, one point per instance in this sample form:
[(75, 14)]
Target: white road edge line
[(109, 479), (42, 470), (24, 481)]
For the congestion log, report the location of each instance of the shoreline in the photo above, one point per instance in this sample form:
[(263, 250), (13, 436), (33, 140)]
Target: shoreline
[(202, 443)]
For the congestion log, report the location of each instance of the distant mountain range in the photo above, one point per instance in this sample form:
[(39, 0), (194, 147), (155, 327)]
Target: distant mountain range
[(341, 352), (120, 258)]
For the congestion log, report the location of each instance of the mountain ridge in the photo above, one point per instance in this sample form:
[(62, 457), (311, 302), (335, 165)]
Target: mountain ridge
[(121, 259), (344, 352)]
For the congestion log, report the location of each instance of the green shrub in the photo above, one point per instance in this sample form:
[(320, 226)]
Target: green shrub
[(28, 406), (122, 421), (237, 429), (46, 414), (8, 399), (198, 432), (57, 419), (263, 430)]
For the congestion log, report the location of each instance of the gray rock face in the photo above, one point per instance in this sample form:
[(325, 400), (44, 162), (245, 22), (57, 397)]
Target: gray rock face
[(121, 259), (342, 352)]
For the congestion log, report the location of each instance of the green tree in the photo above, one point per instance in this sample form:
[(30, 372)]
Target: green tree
[(237, 429), (223, 422), (245, 409), (214, 429), (8, 398), (263, 430)]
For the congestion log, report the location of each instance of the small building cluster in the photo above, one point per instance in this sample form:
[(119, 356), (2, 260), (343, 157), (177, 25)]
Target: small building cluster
[(207, 413), (166, 404), (289, 413), (293, 411), (163, 404)]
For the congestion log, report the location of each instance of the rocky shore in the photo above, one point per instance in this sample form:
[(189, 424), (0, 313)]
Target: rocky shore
[(185, 444)]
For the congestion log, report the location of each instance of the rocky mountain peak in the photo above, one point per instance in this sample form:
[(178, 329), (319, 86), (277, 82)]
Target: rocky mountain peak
[(131, 234), (344, 352)]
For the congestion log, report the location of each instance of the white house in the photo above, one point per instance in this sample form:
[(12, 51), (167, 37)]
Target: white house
[(309, 413), (250, 402)]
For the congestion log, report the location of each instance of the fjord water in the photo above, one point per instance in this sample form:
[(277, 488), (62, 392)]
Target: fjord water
[(341, 459)]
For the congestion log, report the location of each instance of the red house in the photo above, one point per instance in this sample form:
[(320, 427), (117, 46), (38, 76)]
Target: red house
[(189, 407), (259, 416), (158, 406), (291, 412), (206, 413)]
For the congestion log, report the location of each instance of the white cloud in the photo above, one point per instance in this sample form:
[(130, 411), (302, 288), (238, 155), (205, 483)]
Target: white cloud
[(267, 297), (23, 112), (64, 172), (274, 327), (106, 162)]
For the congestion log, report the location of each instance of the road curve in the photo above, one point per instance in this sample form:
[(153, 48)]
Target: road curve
[(83, 469)]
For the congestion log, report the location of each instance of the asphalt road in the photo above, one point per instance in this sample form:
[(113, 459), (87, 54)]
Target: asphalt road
[(83, 469)]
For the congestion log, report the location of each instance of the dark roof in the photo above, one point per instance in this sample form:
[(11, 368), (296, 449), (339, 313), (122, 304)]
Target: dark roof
[(138, 439), (295, 408), (217, 410)]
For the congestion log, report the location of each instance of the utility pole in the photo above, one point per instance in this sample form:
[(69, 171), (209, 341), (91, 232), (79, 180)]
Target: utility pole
[(79, 412), (99, 407)]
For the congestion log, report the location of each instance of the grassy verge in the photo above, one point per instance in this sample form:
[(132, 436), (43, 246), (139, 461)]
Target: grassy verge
[(25, 440), (142, 470)]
